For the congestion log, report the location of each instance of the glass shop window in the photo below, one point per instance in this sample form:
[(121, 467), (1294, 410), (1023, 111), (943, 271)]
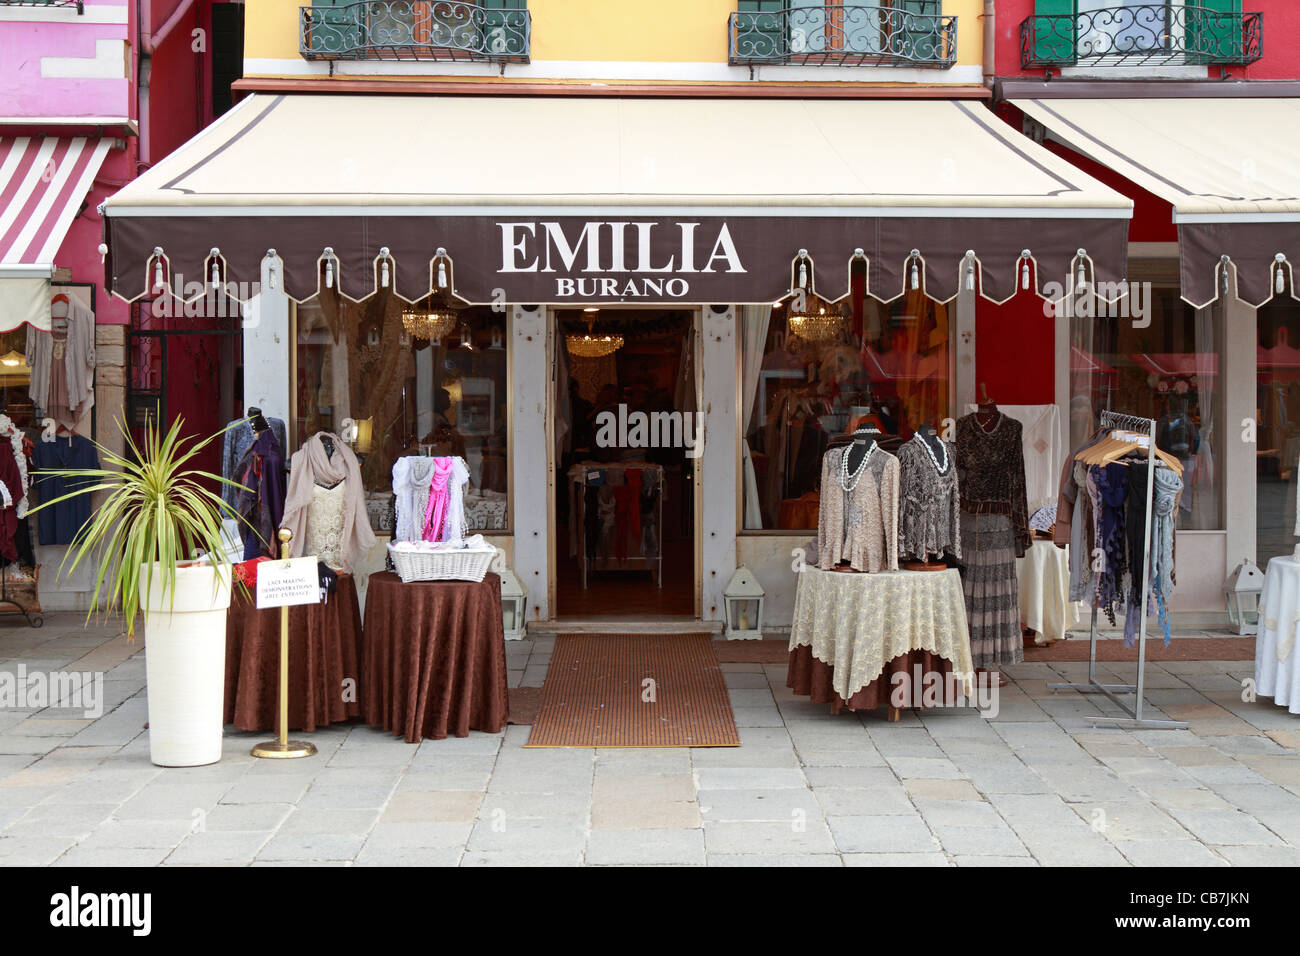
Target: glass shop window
[(363, 376), (1277, 414), (808, 384), (1167, 370)]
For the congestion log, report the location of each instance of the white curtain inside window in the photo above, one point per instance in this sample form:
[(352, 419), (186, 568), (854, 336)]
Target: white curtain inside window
[(754, 322)]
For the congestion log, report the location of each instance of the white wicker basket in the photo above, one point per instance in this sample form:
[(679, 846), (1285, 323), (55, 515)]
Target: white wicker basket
[(458, 564)]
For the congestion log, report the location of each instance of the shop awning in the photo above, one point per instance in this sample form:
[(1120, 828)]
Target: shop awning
[(43, 181), (572, 199), (1229, 166)]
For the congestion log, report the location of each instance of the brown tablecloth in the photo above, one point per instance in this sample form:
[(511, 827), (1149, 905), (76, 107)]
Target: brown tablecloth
[(809, 676), (435, 657), (324, 651)]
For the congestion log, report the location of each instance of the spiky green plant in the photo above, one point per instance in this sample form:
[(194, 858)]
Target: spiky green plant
[(156, 513)]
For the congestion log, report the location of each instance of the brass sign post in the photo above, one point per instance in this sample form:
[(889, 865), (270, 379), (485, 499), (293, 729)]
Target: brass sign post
[(284, 747)]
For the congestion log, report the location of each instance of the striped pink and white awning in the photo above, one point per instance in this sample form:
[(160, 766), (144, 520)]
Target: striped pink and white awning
[(43, 181)]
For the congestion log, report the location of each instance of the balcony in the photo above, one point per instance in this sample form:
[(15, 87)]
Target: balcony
[(495, 31), (914, 33), (1154, 34)]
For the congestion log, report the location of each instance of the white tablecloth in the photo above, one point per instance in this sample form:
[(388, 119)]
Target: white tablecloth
[(1045, 605), (859, 622), (1277, 664)]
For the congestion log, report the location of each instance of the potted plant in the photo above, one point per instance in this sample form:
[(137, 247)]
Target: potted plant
[(155, 516)]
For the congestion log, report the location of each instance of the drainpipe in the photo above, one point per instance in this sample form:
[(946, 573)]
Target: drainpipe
[(990, 44), (149, 42)]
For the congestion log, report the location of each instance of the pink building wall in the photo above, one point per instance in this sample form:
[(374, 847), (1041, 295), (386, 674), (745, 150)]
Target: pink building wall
[(1281, 58), (68, 66)]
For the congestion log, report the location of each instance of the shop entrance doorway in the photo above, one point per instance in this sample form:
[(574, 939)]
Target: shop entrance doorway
[(625, 427)]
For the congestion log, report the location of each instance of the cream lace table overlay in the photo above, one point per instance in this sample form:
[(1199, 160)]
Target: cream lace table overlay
[(859, 622), (1277, 665)]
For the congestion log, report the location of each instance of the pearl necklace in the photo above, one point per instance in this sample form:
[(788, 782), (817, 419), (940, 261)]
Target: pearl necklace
[(849, 482), (941, 469)]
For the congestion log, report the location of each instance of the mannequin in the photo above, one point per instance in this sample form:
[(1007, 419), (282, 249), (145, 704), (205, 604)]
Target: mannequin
[(864, 443), (929, 435)]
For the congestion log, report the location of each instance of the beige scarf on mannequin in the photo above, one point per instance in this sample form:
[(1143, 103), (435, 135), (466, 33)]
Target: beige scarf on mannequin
[(311, 466)]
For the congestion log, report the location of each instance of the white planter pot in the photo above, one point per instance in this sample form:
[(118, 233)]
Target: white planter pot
[(185, 665)]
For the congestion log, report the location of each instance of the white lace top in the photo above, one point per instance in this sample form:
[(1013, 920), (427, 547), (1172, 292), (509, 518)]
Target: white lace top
[(325, 524)]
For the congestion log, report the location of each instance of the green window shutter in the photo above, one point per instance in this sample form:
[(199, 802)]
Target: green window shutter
[(919, 40), (761, 29), (1055, 40), (503, 28), (336, 25), (1213, 31)]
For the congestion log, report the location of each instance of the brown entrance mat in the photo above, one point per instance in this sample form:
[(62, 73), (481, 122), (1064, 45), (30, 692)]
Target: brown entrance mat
[(525, 702), (1180, 649), (752, 652), (596, 693)]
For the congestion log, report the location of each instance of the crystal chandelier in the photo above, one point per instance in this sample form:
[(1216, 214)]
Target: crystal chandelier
[(429, 324), (817, 326), (589, 345)]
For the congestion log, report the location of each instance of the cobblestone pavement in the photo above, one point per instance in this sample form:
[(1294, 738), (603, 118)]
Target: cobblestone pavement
[(1037, 785)]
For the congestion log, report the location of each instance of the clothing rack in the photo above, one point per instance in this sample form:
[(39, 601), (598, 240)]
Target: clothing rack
[(38, 621), (1134, 721)]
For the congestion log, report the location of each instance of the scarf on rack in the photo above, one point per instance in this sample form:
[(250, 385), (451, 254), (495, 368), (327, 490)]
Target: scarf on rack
[(435, 512), (1164, 504), (11, 431), (1112, 483), (310, 467)]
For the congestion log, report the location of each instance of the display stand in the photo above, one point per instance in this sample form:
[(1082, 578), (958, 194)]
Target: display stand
[(638, 562), (1134, 720)]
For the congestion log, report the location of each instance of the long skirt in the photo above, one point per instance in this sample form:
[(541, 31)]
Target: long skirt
[(988, 579)]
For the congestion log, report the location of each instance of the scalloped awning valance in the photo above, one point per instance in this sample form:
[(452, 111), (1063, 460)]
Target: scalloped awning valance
[(603, 200)]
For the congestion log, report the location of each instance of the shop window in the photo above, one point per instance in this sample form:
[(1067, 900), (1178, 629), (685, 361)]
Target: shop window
[(1163, 365), (361, 376), (888, 364), (1277, 403)]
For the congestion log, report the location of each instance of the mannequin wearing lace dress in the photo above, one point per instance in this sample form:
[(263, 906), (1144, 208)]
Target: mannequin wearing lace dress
[(857, 520), (930, 523)]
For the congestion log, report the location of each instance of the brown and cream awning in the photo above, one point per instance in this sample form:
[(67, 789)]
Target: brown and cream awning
[(1230, 166), (605, 200)]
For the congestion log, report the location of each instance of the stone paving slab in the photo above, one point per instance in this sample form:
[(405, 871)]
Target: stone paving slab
[(1038, 785)]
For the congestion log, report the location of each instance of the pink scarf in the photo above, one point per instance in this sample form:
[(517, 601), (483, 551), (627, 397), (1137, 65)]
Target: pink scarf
[(435, 514)]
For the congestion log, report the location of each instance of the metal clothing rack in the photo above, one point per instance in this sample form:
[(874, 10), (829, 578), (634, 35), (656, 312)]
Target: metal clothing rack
[(1134, 721)]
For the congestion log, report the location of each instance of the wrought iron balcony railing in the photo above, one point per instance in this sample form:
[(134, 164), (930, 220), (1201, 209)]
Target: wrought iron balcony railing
[(498, 32), (81, 9), (911, 33), (1153, 34)]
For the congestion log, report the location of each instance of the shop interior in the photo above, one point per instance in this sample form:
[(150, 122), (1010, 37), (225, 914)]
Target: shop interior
[(625, 509)]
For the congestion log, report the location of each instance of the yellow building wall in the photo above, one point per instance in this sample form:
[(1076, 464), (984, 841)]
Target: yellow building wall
[(619, 31)]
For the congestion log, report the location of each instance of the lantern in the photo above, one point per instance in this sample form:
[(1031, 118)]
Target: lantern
[(1242, 594), (514, 604), (743, 597)]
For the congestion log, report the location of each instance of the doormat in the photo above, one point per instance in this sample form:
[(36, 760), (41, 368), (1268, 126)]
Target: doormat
[(766, 651), (634, 690), (524, 705), (1180, 649)]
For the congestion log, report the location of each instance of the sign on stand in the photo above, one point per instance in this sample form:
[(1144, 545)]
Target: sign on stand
[(288, 582)]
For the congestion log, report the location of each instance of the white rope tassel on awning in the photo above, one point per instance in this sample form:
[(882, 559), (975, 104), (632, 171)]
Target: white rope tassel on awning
[(158, 267), (916, 269), (328, 256), (214, 255), (970, 270), (383, 267), (1082, 256), (1224, 262), (1024, 269), (270, 269), (441, 255), (1279, 282)]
